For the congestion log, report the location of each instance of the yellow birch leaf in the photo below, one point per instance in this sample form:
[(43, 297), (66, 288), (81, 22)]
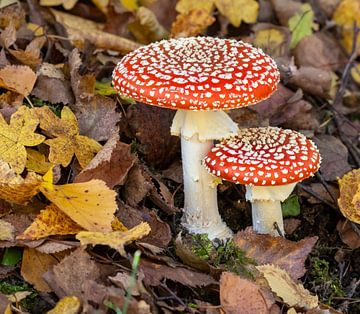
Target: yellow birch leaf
[(14, 188), (185, 6), (346, 13), (191, 23), (51, 221), (117, 225), (115, 239), (7, 231), (16, 135), (238, 10), (349, 200), (36, 161), (34, 264), (90, 204), (283, 285), (18, 78), (130, 5), (66, 140), (68, 305)]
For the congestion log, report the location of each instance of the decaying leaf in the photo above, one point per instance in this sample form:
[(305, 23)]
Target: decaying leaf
[(90, 204), (34, 264), (68, 305), (238, 295), (348, 234), (14, 188), (293, 294), (50, 221), (349, 201), (66, 140), (7, 231), (17, 78), (115, 239)]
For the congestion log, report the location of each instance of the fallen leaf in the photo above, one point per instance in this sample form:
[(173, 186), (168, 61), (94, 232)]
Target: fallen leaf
[(36, 161), (334, 155), (191, 23), (301, 24), (90, 204), (286, 254), (355, 72), (66, 138), (18, 134), (58, 246), (115, 239), (8, 36), (14, 188), (291, 293), (7, 231), (50, 221), (348, 201), (241, 296), (34, 264), (285, 9), (347, 234), (17, 78), (67, 4), (68, 305), (18, 296), (123, 280), (185, 6), (112, 164)]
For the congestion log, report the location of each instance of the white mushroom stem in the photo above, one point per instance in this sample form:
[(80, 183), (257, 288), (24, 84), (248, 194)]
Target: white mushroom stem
[(266, 207), (197, 131)]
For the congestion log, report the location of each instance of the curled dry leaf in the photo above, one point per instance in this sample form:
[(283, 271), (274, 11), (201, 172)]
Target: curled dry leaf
[(349, 201), (68, 305), (115, 239), (17, 78), (293, 294), (265, 249), (347, 234), (241, 296), (7, 231), (50, 221)]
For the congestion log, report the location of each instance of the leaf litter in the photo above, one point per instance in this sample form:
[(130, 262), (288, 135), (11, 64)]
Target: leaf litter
[(118, 181)]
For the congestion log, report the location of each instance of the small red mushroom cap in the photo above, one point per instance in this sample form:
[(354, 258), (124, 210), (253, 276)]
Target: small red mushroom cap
[(197, 73), (263, 157)]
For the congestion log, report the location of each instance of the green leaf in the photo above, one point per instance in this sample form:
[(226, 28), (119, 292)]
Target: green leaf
[(291, 206), (104, 88), (301, 24), (11, 256)]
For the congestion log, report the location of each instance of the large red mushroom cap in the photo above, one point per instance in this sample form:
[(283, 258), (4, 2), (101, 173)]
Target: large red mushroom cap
[(264, 156), (197, 73)]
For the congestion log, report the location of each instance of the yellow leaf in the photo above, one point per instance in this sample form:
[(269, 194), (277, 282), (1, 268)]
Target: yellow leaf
[(34, 264), (67, 4), (101, 5), (8, 309), (115, 239), (7, 231), (191, 23), (131, 5), (66, 140), (349, 201), (17, 78), (355, 73), (238, 10), (50, 221), (346, 13), (283, 285), (68, 305), (185, 6), (90, 204), (36, 161), (18, 134), (271, 40), (117, 225), (14, 188)]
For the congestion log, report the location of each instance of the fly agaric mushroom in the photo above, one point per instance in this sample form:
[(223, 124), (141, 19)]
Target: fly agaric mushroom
[(269, 161), (200, 77)]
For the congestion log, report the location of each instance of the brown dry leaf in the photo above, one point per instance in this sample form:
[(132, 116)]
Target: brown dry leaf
[(285, 9), (20, 132), (8, 36), (191, 23), (34, 264), (291, 293), (90, 204), (265, 249), (349, 202), (7, 231), (57, 246), (36, 161), (68, 305), (347, 234), (334, 155), (66, 140), (17, 78), (155, 273), (14, 188), (116, 239), (50, 221), (111, 164), (241, 296)]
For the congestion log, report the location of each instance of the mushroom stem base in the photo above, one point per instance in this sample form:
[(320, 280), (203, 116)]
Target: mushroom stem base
[(264, 216), (201, 213)]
